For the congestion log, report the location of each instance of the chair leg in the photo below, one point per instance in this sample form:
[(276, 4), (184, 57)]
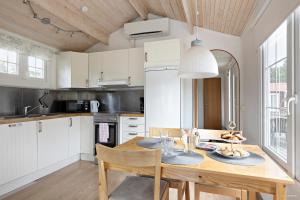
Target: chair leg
[(244, 195), (187, 191), (196, 191)]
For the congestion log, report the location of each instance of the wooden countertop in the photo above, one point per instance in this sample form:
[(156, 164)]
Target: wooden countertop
[(132, 114), (43, 117)]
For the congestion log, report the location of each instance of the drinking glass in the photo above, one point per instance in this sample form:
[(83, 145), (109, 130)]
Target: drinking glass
[(163, 141), (170, 145)]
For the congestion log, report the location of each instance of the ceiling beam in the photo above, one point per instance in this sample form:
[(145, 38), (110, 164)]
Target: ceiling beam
[(188, 15), (140, 8), (75, 19)]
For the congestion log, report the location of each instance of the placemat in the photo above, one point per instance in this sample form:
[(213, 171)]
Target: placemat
[(182, 158), (150, 143), (252, 160)]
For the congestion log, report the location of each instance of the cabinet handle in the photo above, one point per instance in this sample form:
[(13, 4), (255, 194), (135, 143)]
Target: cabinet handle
[(87, 83), (146, 57), (132, 133), (71, 122), (101, 76), (132, 118), (132, 126), (40, 127)]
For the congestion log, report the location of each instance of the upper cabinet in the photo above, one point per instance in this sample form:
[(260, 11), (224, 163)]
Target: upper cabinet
[(162, 53), (136, 67), (95, 68), (72, 70), (117, 65)]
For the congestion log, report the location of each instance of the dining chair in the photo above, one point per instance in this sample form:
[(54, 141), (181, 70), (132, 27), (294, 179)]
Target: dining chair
[(133, 187), (226, 191), (181, 186)]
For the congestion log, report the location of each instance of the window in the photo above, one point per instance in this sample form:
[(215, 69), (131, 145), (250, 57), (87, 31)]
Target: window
[(277, 87), (8, 62), (36, 67)]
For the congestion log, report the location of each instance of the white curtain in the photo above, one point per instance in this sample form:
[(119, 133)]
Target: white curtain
[(25, 47)]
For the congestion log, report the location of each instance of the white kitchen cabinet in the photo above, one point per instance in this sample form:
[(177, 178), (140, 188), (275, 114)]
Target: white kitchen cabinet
[(87, 135), (18, 150), (53, 141), (115, 65), (95, 68), (136, 67), (162, 53), (74, 136), (72, 70), (131, 127)]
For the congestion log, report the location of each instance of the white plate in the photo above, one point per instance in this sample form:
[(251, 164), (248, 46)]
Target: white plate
[(232, 157), (233, 141)]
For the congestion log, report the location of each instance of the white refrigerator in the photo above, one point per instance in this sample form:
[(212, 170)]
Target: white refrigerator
[(162, 98)]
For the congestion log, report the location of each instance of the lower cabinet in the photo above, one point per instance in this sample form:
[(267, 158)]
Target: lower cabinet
[(53, 140), (28, 147), (74, 136), (18, 150), (87, 135), (131, 127)]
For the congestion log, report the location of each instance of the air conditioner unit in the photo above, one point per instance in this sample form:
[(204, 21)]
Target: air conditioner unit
[(149, 28)]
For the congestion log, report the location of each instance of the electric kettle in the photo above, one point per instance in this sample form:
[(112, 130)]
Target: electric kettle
[(94, 104)]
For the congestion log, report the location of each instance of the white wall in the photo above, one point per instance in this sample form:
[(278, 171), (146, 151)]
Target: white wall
[(273, 16), (212, 40)]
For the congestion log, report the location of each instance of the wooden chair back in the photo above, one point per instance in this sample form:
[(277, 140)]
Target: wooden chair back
[(172, 132), (122, 160)]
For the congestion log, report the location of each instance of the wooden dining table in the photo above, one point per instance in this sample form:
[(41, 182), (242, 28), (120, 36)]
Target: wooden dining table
[(267, 177)]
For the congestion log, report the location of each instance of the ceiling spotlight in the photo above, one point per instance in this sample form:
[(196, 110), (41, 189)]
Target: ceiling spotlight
[(84, 9)]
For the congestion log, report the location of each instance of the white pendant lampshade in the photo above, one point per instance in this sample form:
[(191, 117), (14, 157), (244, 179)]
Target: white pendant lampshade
[(198, 62)]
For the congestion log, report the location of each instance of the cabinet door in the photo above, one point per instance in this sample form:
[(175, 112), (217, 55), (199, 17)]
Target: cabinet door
[(115, 65), (136, 67), (18, 150), (53, 141), (74, 136), (63, 61), (80, 65), (87, 135), (162, 53), (95, 68)]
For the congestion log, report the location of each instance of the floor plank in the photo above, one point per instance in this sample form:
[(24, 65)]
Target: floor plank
[(79, 181)]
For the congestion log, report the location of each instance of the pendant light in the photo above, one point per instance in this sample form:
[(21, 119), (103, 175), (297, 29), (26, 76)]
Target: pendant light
[(198, 62)]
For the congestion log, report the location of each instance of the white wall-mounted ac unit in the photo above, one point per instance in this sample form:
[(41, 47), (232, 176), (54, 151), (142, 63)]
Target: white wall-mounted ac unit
[(149, 28)]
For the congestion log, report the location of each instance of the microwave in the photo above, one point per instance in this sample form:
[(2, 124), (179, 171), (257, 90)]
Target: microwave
[(77, 106)]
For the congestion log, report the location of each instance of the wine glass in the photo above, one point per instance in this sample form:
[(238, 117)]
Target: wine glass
[(231, 126)]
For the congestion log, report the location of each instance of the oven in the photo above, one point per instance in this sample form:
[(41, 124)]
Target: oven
[(106, 129)]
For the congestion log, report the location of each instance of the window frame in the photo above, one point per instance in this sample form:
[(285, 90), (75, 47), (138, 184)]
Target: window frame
[(45, 68), (7, 62), (289, 164)]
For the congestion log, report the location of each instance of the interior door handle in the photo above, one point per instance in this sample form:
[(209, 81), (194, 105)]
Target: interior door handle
[(291, 99)]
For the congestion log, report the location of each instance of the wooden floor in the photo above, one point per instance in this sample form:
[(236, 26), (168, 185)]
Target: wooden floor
[(79, 181)]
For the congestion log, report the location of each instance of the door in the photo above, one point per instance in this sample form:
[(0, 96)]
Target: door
[(87, 135), (212, 103), (18, 150), (115, 65), (79, 70), (278, 96), (95, 68), (162, 99), (136, 67), (162, 53), (53, 141), (74, 136)]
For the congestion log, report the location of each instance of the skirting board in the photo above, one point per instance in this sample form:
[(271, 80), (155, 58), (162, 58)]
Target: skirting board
[(5, 189), (87, 157)]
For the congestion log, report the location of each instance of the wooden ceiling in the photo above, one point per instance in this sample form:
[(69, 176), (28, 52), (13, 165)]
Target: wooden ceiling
[(106, 16)]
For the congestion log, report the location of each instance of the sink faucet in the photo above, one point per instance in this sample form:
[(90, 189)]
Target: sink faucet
[(26, 110)]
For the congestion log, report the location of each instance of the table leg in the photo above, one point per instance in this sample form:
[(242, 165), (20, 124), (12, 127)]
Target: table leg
[(252, 195), (280, 192)]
